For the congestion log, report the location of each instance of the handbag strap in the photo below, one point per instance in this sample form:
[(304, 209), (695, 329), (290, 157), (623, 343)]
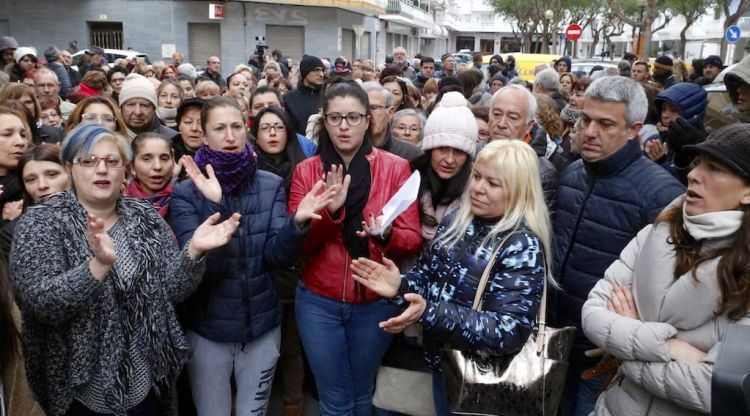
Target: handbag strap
[(541, 314)]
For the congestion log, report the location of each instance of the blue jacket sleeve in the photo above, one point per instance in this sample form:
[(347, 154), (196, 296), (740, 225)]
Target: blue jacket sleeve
[(188, 209), (285, 239), (510, 304)]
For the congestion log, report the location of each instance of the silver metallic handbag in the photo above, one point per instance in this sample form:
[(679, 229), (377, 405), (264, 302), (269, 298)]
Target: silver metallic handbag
[(527, 383)]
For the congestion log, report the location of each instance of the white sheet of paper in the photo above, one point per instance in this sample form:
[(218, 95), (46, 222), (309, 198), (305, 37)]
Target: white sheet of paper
[(400, 201)]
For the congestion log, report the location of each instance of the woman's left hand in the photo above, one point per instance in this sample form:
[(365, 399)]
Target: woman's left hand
[(372, 224), (211, 235), (410, 315), (383, 279), (622, 303)]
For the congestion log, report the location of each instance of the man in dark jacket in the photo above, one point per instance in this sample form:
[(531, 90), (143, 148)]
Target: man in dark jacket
[(512, 117), (602, 202), (547, 82), (56, 63), (426, 71), (664, 71), (138, 106), (381, 107), (213, 72), (307, 98)]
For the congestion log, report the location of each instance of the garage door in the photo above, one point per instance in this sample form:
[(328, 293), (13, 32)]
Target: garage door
[(347, 44), (290, 40), (365, 51), (204, 40)]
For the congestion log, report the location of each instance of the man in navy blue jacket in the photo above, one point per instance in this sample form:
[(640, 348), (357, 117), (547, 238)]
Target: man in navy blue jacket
[(603, 200)]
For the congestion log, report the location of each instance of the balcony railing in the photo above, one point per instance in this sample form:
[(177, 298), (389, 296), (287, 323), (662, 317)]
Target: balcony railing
[(397, 6), (406, 10)]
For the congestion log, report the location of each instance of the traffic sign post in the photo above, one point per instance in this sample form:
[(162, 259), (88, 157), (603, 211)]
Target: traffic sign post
[(733, 34), (573, 32)]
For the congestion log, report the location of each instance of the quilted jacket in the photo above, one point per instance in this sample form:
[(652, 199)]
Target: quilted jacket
[(237, 300), (601, 206), (648, 382)]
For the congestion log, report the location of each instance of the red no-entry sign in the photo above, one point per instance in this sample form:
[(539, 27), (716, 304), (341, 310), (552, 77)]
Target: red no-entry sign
[(573, 32)]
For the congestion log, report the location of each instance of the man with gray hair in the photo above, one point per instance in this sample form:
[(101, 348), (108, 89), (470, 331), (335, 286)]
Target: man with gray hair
[(512, 112), (47, 86), (399, 57), (381, 109), (57, 65), (547, 82), (603, 200)]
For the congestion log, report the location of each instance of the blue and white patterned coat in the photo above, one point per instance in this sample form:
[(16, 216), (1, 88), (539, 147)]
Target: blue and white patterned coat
[(448, 277)]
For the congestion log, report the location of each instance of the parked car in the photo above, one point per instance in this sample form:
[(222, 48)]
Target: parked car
[(111, 54), (582, 67)]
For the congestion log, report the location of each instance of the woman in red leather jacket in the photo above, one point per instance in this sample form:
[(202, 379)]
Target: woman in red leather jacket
[(337, 317)]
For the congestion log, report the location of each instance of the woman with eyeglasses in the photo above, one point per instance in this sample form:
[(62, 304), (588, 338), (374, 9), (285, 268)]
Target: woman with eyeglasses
[(279, 151), (407, 126), (97, 110), (96, 277), (233, 320), (338, 318)]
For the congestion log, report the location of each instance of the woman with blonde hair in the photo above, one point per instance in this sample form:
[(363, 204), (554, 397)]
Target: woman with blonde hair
[(502, 216)]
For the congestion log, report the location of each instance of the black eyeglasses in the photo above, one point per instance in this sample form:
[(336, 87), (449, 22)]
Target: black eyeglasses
[(352, 119), (267, 127)]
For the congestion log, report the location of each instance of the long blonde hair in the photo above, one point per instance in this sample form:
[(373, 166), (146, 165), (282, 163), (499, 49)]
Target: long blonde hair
[(517, 165)]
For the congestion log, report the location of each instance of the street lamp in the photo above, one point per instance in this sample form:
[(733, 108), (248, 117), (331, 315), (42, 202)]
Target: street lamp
[(642, 4)]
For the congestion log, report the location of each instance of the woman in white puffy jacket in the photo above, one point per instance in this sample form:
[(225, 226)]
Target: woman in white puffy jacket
[(664, 306)]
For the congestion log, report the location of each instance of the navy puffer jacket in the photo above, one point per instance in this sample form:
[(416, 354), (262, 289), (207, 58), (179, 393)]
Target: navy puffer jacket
[(690, 98), (601, 206), (237, 300)]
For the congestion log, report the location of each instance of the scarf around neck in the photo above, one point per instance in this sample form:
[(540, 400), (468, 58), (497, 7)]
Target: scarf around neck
[(356, 197), (233, 169), (712, 224), (160, 200), (168, 116)]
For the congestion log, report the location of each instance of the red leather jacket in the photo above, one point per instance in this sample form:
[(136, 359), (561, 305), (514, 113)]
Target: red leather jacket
[(327, 269)]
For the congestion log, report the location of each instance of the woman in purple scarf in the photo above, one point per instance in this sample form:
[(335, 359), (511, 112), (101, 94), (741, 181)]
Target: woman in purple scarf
[(232, 321)]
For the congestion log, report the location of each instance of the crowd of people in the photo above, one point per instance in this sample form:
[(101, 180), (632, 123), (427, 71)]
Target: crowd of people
[(177, 242)]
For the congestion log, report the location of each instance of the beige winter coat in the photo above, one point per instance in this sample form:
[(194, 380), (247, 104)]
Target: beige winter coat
[(648, 382)]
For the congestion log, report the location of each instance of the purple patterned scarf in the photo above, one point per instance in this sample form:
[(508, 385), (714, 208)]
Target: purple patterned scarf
[(232, 169)]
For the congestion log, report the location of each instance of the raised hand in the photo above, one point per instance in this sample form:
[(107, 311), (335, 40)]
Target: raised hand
[(410, 315), (656, 149), (12, 210), (372, 224), (314, 201), (383, 279), (211, 235), (177, 169), (622, 303), (101, 245), (333, 178), (209, 186)]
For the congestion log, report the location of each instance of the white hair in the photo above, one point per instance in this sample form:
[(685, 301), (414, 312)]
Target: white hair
[(548, 79), (531, 113), (374, 86)]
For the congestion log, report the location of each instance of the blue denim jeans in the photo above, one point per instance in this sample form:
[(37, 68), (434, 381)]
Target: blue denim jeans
[(344, 347), (579, 397), (442, 406)]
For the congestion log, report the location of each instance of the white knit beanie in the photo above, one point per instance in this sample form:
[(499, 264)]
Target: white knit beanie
[(451, 124), (137, 86), (23, 51)]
